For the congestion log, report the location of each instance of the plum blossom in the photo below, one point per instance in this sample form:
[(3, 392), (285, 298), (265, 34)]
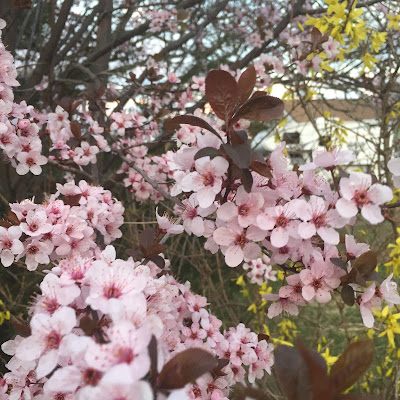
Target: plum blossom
[(331, 48), (110, 286), (31, 161), (358, 192), (318, 282), (10, 245), (246, 209), (48, 333), (282, 304), (166, 225), (329, 159), (394, 168), (317, 218), (354, 249), (206, 181), (279, 220), (239, 243)]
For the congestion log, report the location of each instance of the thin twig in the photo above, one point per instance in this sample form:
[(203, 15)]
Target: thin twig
[(150, 181)]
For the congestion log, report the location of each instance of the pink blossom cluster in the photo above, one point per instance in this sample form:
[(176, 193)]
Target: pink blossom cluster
[(260, 270), (91, 328), (19, 134), (56, 229), (293, 217)]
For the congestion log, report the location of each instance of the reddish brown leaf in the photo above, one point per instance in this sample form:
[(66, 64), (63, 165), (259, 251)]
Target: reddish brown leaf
[(317, 373), (291, 373), (362, 268), (71, 200), (246, 84), (147, 237), (159, 261), (351, 364), (207, 151), (21, 327), (186, 367), (339, 263), (76, 129), (261, 168), (4, 223), (194, 121), (222, 93), (347, 294), (239, 154), (154, 250), (89, 326), (262, 109), (247, 180), (366, 263)]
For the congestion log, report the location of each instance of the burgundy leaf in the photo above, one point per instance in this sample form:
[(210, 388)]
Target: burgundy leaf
[(207, 151), (194, 121), (246, 84), (185, 368), (222, 93), (262, 109)]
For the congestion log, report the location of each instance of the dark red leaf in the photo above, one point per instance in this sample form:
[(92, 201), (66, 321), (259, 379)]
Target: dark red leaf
[(88, 325), (153, 359), (4, 223), (207, 151), (154, 250), (76, 129), (159, 261), (262, 109), (239, 154), (147, 238), (261, 168), (246, 84), (222, 93), (247, 180), (72, 200), (291, 373), (21, 327), (339, 263), (351, 364), (347, 294), (194, 121), (185, 368)]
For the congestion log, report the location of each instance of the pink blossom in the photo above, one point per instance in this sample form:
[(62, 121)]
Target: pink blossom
[(293, 291), (329, 159), (206, 181), (279, 219), (394, 168), (125, 358), (317, 218), (37, 252), (368, 300), (193, 216), (239, 243), (388, 291), (282, 304), (36, 224), (114, 284), (166, 225), (354, 249), (31, 161), (331, 48), (10, 245), (358, 192), (48, 333), (246, 210), (318, 283)]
